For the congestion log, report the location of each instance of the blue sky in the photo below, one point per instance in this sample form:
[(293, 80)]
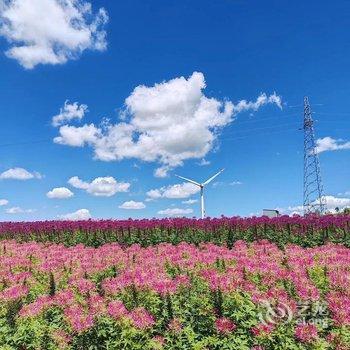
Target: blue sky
[(103, 57)]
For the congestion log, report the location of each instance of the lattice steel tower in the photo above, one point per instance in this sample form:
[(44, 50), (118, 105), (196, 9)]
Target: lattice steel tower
[(314, 201)]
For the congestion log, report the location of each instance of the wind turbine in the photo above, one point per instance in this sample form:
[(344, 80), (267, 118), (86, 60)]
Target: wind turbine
[(201, 186)]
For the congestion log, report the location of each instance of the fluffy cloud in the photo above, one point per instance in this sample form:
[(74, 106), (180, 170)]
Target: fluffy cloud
[(330, 144), (167, 123), (78, 136), (3, 202), (60, 193), (177, 191), (69, 112), (51, 31), (175, 212), (18, 210), (81, 214), (132, 205), (101, 186), (19, 174)]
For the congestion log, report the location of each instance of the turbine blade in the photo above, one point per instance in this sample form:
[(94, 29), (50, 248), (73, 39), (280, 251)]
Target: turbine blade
[(188, 180), (213, 177)]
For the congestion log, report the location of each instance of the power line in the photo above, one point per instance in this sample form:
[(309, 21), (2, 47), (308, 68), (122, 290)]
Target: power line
[(260, 134), (257, 120), (262, 128)]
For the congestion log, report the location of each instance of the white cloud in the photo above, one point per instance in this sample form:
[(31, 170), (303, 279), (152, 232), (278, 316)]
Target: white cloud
[(3, 202), (330, 144), (332, 203), (175, 212), (167, 123), (18, 210), (262, 100), (69, 112), (19, 174), (78, 136), (132, 205), (51, 31), (336, 202), (223, 183), (235, 183), (190, 201), (177, 191), (101, 186), (81, 214), (78, 183), (60, 193), (204, 162)]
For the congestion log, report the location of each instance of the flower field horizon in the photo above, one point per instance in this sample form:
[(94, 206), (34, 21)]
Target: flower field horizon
[(174, 297), (310, 231)]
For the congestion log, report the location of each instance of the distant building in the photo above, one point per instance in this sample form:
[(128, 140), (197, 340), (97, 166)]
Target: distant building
[(271, 213)]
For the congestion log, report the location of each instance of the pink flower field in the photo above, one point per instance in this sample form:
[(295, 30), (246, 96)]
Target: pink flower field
[(253, 296)]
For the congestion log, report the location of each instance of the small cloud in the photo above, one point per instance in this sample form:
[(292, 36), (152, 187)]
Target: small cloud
[(204, 162), (222, 183), (3, 202), (132, 205), (235, 183), (329, 144), (162, 171), (81, 214), (190, 201), (69, 112), (18, 210), (178, 191), (19, 174), (60, 193), (101, 186), (175, 212)]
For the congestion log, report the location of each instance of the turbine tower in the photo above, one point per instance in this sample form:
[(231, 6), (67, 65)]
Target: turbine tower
[(314, 201), (201, 186)]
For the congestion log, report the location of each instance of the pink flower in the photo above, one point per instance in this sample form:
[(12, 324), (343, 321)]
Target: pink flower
[(97, 305), (116, 309), (141, 318), (224, 325), (78, 319), (306, 332), (262, 329), (13, 293), (38, 306)]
